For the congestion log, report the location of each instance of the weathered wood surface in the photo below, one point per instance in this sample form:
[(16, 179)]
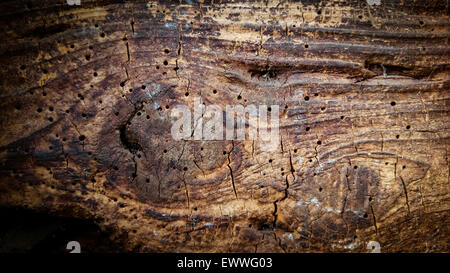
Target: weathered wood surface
[(364, 122)]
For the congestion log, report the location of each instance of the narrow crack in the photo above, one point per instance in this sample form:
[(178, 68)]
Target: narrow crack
[(395, 168), (292, 165), (281, 144), (316, 154), (182, 152), (186, 192), (279, 241), (344, 203), (406, 194), (132, 25), (128, 52), (275, 214), (286, 192), (231, 170), (374, 220), (196, 122), (180, 44), (196, 164), (126, 72), (134, 175)]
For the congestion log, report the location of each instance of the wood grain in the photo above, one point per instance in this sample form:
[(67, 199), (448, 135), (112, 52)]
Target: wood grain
[(363, 90)]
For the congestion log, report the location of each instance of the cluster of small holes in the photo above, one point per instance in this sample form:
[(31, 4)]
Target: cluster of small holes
[(122, 84)]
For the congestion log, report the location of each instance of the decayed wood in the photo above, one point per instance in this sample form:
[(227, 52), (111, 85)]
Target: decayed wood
[(86, 93)]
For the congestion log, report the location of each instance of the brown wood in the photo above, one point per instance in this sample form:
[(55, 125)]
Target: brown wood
[(364, 104)]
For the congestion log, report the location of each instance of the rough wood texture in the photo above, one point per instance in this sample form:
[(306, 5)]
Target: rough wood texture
[(364, 123)]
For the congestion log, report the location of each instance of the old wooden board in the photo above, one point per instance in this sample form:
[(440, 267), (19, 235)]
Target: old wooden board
[(363, 91)]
